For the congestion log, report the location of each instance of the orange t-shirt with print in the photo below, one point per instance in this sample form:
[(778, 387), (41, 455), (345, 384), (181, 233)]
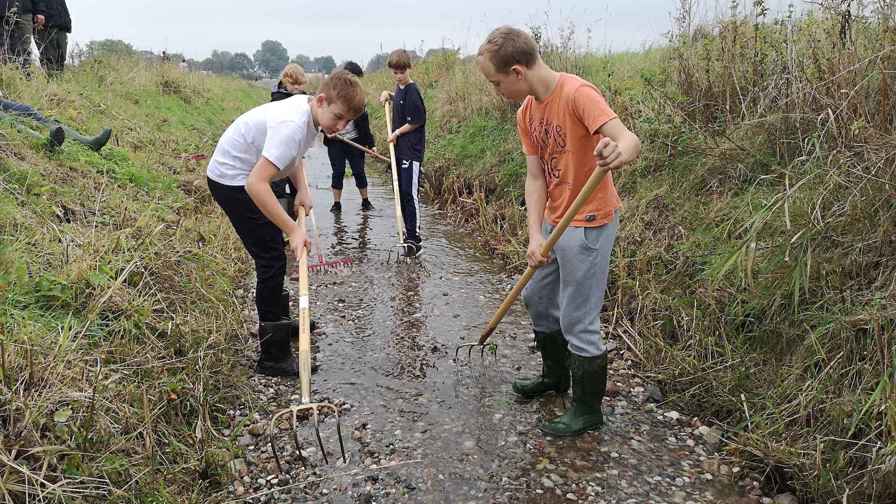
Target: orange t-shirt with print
[(562, 132)]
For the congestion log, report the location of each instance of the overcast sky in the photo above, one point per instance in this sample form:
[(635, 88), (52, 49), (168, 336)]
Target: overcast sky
[(351, 29)]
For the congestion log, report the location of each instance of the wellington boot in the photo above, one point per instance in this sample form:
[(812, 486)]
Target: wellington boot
[(589, 384), (276, 357), (95, 143), (554, 375)]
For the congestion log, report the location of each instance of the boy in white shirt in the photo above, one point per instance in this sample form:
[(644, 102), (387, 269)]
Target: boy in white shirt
[(262, 145)]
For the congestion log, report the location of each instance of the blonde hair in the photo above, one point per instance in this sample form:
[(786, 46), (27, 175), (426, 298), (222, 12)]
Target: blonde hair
[(344, 88), (399, 60), (507, 46), (294, 75)]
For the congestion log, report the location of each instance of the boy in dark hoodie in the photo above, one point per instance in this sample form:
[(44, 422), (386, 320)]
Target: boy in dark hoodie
[(341, 152)]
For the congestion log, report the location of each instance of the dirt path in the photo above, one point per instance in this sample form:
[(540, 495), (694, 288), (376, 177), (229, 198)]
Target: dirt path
[(419, 428)]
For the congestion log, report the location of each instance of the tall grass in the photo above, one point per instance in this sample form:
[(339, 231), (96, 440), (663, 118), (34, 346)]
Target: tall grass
[(112, 381), (755, 266)]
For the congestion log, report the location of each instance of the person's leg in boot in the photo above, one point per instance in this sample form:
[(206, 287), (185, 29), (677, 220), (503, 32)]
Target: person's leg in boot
[(276, 357), (20, 109), (554, 375), (94, 143), (583, 256), (55, 136), (264, 242), (540, 298), (274, 341)]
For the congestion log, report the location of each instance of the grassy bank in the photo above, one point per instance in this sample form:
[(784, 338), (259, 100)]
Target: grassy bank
[(113, 383), (755, 265)]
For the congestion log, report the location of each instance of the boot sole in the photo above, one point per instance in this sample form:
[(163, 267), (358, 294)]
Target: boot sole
[(574, 433), (276, 374), (570, 434)]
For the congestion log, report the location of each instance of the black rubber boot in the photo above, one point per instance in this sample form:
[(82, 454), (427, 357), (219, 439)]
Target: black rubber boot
[(56, 137), (589, 384), (554, 375), (276, 357)]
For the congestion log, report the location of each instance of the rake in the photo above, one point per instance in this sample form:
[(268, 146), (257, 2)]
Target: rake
[(307, 407), (593, 181), (322, 264)]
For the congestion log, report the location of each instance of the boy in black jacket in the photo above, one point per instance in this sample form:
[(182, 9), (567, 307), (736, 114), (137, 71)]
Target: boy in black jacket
[(340, 152), (409, 137), (52, 36)]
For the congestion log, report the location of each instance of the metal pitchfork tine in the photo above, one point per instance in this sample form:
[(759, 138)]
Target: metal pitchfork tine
[(305, 376), (593, 181)]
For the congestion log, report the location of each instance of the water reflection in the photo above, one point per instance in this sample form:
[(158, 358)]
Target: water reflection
[(410, 346)]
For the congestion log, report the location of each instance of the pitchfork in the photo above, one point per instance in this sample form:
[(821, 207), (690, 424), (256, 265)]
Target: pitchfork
[(399, 220), (593, 181), (305, 375)]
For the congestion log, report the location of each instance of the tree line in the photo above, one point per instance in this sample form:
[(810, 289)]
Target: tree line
[(267, 61)]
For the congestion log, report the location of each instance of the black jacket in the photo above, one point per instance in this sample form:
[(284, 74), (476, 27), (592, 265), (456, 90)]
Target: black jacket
[(362, 126), (57, 15), (25, 7)]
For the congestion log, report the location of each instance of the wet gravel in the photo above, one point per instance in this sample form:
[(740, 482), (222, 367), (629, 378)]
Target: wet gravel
[(420, 427)]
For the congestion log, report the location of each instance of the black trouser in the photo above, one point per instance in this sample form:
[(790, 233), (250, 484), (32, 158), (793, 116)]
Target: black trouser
[(409, 173), (340, 152), (53, 46), (264, 242)]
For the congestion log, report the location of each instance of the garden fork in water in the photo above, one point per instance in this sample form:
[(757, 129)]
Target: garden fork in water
[(312, 409)]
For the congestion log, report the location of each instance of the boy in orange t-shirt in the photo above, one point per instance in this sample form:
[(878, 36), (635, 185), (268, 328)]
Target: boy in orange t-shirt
[(567, 131)]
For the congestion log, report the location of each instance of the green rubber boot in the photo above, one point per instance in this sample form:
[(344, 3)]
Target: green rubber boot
[(554, 375), (589, 384), (95, 143)]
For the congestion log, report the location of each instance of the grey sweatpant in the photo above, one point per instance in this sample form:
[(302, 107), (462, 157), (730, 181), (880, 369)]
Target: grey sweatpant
[(568, 292)]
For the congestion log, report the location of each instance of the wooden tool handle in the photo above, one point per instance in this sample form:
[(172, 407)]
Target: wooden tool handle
[(399, 220), (593, 181), (304, 322), (365, 149)]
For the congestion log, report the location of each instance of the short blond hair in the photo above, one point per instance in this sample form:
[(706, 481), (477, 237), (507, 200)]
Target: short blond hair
[(399, 59), (294, 75), (507, 46), (344, 88)]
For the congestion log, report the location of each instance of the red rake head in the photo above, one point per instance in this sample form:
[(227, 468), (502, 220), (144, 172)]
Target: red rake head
[(333, 265)]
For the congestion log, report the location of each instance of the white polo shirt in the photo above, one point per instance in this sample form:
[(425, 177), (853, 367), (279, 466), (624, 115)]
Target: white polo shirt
[(281, 131)]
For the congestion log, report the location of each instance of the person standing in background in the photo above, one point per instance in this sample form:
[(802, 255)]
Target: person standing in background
[(17, 21), (52, 36)]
